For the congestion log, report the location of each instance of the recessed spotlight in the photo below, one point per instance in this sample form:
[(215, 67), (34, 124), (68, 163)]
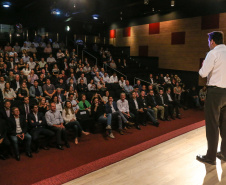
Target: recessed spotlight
[(95, 16), (6, 4), (172, 2), (55, 12)]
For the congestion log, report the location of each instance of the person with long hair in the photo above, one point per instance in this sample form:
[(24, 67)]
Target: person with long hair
[(59, 107), (71, 121), (43, 106), (23, 91), (8, 93)]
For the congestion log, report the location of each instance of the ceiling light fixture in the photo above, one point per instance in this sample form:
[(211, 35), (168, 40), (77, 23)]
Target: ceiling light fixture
[(95, 16), (146, 2), (6, 4), (172, 2)]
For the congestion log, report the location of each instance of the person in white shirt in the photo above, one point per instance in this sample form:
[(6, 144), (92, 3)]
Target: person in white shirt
[(60, 54), (71, 122), (123, 107), (167, 79), (96, 78), (26, 70), (42, 63), (92, 86), (35, 44), (25, 47), (106, 78), (12, 53), (113, 78), (73, 102), (31, 63), (87, 69), (213, 68), (122, 83), (51, 59), (2, 83), (26, 58), (82, 77)]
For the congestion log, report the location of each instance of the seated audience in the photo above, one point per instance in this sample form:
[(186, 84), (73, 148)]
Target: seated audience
[(18, 132), (55, 122), (69, 117)]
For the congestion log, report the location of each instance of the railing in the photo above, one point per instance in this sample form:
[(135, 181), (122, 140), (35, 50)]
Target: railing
[(135, 78), (89, 55), (115, 70)]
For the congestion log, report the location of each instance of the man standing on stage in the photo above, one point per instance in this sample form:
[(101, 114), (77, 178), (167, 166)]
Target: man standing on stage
[(213, 68)]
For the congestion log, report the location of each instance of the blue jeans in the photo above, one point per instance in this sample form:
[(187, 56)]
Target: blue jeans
[(151, 115), (75, 125), (106, 119), (15, 140)]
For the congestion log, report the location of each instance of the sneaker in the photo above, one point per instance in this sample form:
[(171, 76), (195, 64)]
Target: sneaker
[(111, 136), (108, 127)]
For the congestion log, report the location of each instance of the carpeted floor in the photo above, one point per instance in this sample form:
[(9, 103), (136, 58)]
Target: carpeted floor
[(50, 163)]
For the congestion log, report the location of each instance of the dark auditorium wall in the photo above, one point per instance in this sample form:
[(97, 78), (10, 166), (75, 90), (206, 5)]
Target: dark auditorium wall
[(180, 44)]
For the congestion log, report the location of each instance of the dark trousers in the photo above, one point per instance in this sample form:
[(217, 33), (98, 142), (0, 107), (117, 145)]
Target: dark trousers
[(37, 132), (173, 105), (74, 125), (215, 116), (5, 147), (139, 117), (60, 134)]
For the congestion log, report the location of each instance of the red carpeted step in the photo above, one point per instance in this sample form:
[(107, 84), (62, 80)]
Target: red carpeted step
[(47, 164)]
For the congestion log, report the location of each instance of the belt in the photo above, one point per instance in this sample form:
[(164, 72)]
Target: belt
[(215, 87)]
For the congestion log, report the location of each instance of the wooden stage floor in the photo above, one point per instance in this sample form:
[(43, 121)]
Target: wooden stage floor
[(170, 163)]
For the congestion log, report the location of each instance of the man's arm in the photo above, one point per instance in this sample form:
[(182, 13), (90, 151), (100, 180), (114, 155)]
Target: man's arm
[(208, 65)]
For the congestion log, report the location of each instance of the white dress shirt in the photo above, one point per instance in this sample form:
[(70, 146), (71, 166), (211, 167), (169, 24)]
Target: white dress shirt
[(214, 67), (123, 106), (18, 128), (113, 79)]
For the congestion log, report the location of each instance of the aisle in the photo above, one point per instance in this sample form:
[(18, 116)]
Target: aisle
[(172, 163)]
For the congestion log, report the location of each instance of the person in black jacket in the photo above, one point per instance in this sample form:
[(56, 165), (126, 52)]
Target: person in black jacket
[(98, 112), (135, 107), (18, 132), (148, 111), (161, 99), (153, 104), (82, 87), (6, 111), (4, 142), (172, 104), (37, 123), (25, 107)]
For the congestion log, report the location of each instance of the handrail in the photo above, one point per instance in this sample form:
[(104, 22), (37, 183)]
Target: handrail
[(89, 55), (140, 80), (116, 71)]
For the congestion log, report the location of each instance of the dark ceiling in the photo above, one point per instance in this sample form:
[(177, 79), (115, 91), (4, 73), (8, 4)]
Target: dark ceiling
[(37, 13)]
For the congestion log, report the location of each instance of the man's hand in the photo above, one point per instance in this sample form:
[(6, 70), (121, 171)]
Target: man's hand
[(1, 140)]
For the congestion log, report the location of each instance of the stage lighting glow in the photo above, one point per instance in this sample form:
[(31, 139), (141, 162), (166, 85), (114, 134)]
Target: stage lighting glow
[(95, 16), (172, 2), (68, 28), (6, 4), (55, 12)]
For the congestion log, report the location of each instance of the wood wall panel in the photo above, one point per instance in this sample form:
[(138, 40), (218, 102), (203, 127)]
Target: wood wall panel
[(178, 57)]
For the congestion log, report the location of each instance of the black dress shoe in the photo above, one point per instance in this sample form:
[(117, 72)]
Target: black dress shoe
[(60, 147), (178, 117), (221, 156), (167, 119), (156, 124), (144, 124), (17, 157), (138, 127), (204, 159), (29, 154), (162, 119), (173, 117), (2, 157), (67, 145)]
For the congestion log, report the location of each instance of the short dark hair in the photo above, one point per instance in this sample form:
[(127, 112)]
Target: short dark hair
[(217, 37)]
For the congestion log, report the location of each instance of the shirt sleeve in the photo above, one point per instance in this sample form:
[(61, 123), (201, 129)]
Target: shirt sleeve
[(48, 119), (208, 65)]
